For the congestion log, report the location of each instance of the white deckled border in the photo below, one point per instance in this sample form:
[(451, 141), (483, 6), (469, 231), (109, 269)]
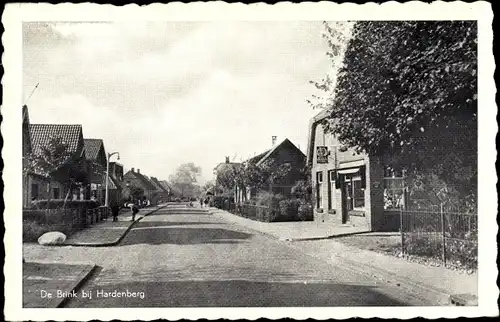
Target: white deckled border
[(15, 14)]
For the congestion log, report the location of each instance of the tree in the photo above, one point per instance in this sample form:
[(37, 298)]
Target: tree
[(136, 192), (50, 162), (185, 178), (250, 175), (407, 92)]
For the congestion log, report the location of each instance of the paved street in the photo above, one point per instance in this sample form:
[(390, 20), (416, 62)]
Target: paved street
[(182, 257)]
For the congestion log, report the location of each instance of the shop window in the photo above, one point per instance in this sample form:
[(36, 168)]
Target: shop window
[(395, 192), (355, 190)]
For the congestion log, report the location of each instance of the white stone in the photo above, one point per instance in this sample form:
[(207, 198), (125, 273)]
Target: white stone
[(52, 238)]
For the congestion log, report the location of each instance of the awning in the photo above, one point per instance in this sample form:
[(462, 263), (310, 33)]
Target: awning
[(348, 171), (351, 164)]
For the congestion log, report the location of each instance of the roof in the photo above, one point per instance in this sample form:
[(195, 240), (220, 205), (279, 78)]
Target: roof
[(40, 134), (165, 185), (259, 159), (92, 148), (145, 182), (158, 184), (153, 183)]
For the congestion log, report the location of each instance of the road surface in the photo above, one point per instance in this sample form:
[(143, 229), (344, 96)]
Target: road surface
[(181, 257)]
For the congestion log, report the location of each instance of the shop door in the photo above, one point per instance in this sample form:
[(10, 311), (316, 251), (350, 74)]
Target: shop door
[(346, 198)]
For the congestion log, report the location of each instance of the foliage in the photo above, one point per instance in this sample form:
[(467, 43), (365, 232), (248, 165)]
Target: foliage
[(185, 178), (407, 91), (252, 175), (60, 203), (269, 199), (49, 158), (305, 212), (55, 162), (136, 192), (289, 209)]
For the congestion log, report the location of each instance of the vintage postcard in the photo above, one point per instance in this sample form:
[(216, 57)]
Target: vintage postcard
[(214, 160)]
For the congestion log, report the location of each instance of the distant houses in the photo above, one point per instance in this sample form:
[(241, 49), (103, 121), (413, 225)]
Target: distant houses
[(284, 153), (81, 175)]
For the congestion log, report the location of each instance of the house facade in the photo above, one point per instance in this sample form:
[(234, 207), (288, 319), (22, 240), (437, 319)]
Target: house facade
[(284, 153), (95, 155), (135, 178), (38, 187), (348, 188)]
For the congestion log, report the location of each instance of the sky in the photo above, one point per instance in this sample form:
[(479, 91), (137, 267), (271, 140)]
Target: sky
[(167, 93)]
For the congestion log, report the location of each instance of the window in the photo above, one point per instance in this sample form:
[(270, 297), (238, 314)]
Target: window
[(34, 191), (319, 192), (355, 191), (395, 192), (331, 189), (55, 193)]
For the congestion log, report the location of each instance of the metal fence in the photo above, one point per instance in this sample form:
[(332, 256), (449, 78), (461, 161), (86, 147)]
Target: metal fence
[(448, 236)]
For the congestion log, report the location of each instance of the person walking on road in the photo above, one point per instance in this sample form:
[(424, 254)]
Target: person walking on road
[(135, 210), (201, 202), (115, 209)]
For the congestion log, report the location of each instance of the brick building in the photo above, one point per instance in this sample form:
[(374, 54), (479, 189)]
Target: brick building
[(348, 188), (35, 185)]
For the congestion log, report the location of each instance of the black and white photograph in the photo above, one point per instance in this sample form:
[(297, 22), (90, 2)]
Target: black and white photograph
[(233, 156)]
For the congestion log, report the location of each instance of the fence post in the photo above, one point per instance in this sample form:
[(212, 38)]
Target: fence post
[(401, 231), (443, 230)]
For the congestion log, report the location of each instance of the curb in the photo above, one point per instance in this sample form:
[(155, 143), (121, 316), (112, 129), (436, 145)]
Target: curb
[(118, 240), (78, 285), (375, 272), (293, 239)]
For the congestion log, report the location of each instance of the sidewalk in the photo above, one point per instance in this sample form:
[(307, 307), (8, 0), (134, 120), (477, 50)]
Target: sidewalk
[(108, 233), (50, 285), (291, 231), (436, 283)]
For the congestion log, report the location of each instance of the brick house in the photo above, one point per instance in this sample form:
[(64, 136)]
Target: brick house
[(35, 186), (283, 153), (135, 178), (164, 191), (348, 188), (96, 157)]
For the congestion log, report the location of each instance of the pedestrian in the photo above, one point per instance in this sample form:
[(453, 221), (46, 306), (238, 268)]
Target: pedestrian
[(115, 209), (206, 202), (135, 210), (201, 202)]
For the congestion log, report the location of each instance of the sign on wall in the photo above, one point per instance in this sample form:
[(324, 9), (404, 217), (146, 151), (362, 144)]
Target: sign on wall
[(322, 154)]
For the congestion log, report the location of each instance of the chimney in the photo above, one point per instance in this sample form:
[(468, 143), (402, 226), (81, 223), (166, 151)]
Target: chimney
[(274, 139), (132, 170), (227, 159), (138, 170)]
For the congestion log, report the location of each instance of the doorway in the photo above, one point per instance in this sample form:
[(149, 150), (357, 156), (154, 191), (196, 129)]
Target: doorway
[(346, 190)]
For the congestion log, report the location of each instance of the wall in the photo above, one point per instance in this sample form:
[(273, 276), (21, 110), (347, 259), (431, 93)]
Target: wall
[(335, 159)]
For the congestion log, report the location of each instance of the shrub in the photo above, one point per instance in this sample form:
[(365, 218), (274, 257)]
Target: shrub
[(289, 210), (305, 212), (269, 199), (59, 203)]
